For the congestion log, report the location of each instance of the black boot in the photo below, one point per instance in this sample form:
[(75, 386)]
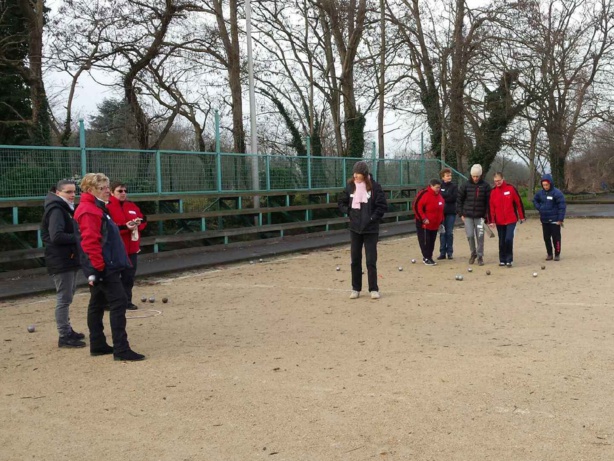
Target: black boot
[(128, 356), (101, 350)]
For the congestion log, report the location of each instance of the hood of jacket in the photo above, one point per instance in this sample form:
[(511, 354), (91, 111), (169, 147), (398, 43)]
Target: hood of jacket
[(53, 200), (548, 177)]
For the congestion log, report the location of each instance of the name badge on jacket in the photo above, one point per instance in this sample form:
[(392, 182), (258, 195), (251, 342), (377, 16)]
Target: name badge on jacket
[(549, 197), (506, 193)]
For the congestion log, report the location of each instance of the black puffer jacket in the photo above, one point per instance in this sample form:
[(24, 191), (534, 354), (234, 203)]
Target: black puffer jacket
[(58, 235), (367, 219), (449, 192), (473, 200)]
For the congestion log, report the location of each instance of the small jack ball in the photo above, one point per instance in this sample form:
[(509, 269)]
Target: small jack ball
[(487, 272), (543, 268), (534, 274), (152, 300), (164, 300), (413, 261), (31, 328)]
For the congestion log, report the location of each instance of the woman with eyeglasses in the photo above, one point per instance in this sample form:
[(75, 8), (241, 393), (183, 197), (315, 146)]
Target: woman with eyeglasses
[(103, 258), (58, 232), (506, 209), (131, 222)]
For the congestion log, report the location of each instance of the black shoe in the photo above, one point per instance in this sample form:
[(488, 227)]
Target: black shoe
[(430, 262), (480, 261), (70, 342), (549, 258), (557, 258), (132, 307), (103, 350), (450, 257), (128, 356), (472, 259), (76, 335), (441, 257)]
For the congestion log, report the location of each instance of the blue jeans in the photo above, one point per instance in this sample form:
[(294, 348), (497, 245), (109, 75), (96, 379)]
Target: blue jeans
[(447, 240), (65, 286), (506, 242)]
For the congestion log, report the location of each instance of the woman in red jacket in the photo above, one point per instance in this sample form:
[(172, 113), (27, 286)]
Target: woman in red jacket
[(506, 209), (131, 223), (428, 211)]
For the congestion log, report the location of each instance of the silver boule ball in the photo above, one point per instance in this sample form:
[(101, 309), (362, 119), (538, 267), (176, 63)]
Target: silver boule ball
[(400, 269), (31, 328), (534, 274), (543, 268), (261, 260), (413, 261), (469, 269), (152, 299), (337, 268), (460, 277)]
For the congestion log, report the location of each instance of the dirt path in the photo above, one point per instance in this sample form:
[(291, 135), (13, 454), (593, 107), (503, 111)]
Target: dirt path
[(271, 361)]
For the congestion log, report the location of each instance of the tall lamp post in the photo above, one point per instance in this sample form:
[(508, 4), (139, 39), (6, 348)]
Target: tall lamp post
[(252, 102)]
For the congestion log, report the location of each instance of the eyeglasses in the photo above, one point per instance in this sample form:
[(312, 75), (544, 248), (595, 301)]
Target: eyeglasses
[(121, 191)]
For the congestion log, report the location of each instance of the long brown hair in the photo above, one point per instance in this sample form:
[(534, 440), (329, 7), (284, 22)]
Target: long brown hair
[(367, 182)]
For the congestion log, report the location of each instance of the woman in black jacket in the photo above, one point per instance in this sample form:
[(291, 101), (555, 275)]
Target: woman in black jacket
[(363, 200), (61, 256)]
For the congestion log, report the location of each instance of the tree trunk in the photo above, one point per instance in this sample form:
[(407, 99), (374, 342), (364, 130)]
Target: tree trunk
[(456, 148)]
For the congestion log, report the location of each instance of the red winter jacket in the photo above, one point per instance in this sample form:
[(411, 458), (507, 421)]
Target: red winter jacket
[(121, 213), (505, 205), (429, 204), (102, 248)]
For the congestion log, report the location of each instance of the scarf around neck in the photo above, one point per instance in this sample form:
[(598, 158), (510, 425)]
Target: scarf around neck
[(360, 195)]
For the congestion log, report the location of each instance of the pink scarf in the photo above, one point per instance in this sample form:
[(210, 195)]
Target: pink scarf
[(360, 195)]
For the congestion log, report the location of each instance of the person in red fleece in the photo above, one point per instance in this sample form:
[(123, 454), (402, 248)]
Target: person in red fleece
[(428, 211), (127, 215), (506, 209), (103, 257)]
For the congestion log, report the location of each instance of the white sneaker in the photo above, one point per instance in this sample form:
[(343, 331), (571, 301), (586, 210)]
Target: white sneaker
[(375, 295), (355, 294)]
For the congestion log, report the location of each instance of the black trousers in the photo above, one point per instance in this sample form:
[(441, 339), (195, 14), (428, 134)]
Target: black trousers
[(108, 292), (369, 241), (127, 276), (426, 240), (552, 237)]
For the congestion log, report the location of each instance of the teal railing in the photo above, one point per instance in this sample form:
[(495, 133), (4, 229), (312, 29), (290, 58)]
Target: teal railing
[(28, 172)]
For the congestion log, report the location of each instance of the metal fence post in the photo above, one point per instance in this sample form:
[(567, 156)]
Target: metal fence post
[(423, 163), (267, 167), (308, 145), (158, 172), (218, 159), (82, 146), (374, 157)]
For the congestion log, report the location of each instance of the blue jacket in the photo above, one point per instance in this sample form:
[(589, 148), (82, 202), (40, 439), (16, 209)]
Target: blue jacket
[(550, 204)]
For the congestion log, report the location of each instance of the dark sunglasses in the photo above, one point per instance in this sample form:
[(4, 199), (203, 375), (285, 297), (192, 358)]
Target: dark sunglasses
[(121, 191)]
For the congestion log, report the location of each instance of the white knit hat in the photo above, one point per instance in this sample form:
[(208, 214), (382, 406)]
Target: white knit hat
[(476, 170)]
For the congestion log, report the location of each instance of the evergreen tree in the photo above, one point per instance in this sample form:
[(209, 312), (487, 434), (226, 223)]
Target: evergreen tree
[(15, 103)]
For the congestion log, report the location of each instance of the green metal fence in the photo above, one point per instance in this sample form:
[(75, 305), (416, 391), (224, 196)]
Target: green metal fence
[(28, 172)]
